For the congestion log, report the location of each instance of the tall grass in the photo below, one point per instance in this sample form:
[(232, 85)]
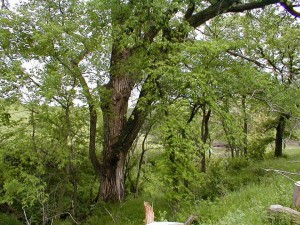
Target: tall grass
[(245, 200), (247, 205)]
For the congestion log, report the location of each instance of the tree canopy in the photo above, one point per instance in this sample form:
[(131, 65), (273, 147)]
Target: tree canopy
[(76, 67)]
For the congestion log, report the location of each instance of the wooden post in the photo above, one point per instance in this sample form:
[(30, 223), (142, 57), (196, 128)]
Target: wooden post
[(190, 220), (297, 194), (150, 217), (149, 213)]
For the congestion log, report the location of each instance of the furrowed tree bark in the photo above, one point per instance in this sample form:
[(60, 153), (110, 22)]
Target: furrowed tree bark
[(119, 135), (120, 132), (114, 153)]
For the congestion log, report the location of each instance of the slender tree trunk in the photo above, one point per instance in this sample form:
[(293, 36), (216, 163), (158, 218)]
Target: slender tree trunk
[(204, 135), (230, 142), (231, 146), (92, 143), (33, 123), (75, 196), (61, 190), (245, 128), (279, 136), (141, 163)]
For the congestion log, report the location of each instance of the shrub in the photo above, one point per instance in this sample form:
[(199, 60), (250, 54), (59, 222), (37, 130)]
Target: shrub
[(237, 164), (257, 148), (6, 219)]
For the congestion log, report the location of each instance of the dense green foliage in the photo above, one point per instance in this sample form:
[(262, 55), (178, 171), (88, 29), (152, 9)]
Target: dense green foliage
[(254, 191), (181, 103)]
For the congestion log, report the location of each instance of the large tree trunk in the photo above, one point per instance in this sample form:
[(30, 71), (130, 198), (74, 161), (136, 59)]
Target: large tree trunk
[(119, 133), (114, 150)]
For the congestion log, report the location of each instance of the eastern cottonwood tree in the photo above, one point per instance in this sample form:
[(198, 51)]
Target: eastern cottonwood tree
[(117, 46)]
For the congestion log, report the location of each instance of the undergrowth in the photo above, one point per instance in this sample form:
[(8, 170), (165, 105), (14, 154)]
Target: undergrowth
[(234, 191)]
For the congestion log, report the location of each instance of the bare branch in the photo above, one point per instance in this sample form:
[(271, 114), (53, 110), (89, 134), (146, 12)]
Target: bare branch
[(26, 218), (4, 4), (290, 9), (50, 218), (283, 173), (246, 58)]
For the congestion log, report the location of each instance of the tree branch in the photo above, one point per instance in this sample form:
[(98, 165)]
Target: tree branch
[(270, 62), (194, 111), (138, 116), (283, 173), (190, 10), (245, 57), (290, 9), (226, 6), (253, 5), (4, 5), (210, 12), (262, 4)]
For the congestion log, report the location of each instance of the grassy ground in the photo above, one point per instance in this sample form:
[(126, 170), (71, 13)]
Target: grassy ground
[(246, 206), (249, 205)]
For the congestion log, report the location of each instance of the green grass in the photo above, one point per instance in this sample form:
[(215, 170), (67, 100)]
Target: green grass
[(249, 205), (246, 206)]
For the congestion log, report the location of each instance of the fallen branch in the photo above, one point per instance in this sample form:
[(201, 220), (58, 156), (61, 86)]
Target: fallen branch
[(283, 173), (52, 217)]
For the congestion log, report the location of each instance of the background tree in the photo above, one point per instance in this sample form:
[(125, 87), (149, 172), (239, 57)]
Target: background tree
[(271, 49)]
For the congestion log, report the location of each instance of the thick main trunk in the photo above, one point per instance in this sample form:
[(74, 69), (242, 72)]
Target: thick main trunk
[(112, 177), (119, 133), (114, 151)]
